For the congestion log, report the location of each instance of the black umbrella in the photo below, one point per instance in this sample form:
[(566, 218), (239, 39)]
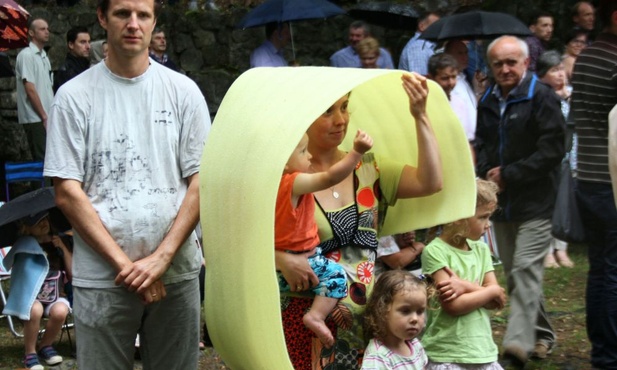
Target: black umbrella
[(475, 25), (29, 204), (386, 14)]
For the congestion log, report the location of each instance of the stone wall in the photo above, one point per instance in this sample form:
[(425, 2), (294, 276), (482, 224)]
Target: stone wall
[(211, 51)]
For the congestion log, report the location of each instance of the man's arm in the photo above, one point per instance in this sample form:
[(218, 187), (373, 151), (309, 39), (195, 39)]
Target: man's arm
[(74, 203), (35, 100), (549, 146), (139, 275)]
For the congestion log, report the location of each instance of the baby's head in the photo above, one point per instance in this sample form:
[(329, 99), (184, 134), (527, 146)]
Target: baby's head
[(300, 158), (396, 306)]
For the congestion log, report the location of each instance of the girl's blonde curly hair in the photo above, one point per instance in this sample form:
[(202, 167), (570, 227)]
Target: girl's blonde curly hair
[(387, 286), (486, 195)]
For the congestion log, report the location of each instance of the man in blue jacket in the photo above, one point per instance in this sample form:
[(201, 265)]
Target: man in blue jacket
[(519, 144)]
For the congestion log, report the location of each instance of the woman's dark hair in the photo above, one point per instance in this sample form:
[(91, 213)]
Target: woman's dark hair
[(387, 286), (546, 61), (574, 33)]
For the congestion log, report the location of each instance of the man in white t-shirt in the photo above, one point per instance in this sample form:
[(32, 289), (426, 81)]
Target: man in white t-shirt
[(125, 143)]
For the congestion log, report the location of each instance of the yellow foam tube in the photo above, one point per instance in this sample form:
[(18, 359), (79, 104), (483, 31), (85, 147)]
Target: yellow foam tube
[(260, 121)]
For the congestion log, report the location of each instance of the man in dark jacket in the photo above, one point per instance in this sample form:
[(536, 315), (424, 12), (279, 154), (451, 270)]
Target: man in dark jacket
[(77, 59), (519, 144), (158, 48)]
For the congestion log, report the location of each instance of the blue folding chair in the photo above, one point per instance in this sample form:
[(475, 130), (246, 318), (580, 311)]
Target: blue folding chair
[(23, 172)]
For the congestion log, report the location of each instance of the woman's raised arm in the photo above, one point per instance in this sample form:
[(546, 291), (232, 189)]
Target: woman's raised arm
[(426, 179)]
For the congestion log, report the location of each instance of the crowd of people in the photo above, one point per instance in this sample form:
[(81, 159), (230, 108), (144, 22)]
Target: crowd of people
[(122, 139)]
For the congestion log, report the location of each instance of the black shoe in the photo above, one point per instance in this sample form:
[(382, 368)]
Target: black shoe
[(513, 358), (508, 362)]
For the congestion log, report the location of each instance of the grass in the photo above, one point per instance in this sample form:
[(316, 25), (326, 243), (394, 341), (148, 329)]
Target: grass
[(564, 290)]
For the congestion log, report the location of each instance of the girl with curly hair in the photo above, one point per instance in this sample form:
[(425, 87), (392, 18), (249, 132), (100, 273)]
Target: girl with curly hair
[(394, 317)]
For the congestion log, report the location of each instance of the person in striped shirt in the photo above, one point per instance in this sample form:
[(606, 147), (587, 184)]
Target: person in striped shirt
[(594, 84)]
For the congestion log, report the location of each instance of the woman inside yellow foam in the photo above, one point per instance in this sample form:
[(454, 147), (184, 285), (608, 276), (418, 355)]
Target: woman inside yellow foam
[(349, 218), (242, 309)]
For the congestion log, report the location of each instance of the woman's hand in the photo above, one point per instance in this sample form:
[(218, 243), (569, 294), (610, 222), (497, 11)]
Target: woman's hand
[(417, 89), (296, 270)]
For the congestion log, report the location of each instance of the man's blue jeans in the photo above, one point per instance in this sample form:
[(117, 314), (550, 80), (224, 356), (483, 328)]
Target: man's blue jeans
[(597, 208)]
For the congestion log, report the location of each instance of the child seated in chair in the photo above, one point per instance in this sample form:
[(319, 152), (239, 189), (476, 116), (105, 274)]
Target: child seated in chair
[(36, 251)]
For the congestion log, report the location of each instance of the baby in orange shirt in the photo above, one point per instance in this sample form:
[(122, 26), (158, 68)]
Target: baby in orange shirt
[(296, 230)]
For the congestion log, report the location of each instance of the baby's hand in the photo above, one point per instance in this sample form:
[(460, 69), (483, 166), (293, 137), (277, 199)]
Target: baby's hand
[(362, 143)]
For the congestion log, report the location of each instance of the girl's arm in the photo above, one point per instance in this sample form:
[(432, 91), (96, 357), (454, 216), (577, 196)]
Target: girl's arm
[(500, 301), (470, 301), (427, 178), (67, 256), (311, 182)]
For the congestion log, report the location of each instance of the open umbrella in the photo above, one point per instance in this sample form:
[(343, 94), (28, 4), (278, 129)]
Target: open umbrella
[(475, 25), (386, 14), (13, 25), (29, 204), (280, 11)]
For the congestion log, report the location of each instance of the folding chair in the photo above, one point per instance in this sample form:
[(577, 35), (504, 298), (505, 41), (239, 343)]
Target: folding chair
[(23, 172), (5, 275)]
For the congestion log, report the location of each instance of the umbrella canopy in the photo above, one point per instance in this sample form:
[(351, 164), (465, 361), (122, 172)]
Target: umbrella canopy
[(13, 25), (386, 14), (29, 204), (280, 11), (475, 25)]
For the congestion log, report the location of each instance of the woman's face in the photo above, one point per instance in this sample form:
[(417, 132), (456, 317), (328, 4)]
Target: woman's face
[(330, 128), (576, 45), (555, 77)]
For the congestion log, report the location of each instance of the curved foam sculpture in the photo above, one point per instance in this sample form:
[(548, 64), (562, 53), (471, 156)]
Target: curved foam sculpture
[(260, 121)]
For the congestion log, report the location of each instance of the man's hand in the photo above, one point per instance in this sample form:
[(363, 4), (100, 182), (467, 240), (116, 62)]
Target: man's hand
[(141, 274), (494, 175), (154, 293)]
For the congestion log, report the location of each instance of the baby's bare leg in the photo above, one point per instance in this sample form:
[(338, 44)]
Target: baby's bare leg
[(316, 317)]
